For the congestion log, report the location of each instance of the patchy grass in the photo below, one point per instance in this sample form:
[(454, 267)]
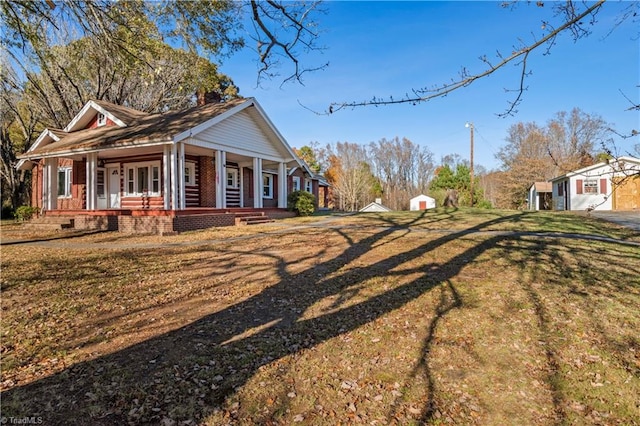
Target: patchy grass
[(445, 317)]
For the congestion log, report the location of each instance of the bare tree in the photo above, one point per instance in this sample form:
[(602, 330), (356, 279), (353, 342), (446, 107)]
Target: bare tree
[(403, 168), (350, 175)]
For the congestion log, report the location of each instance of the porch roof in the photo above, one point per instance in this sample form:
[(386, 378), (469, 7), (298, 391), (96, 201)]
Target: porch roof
[(142, 130)]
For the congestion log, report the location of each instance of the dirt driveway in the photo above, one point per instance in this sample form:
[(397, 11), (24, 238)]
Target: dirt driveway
[(629, 219)]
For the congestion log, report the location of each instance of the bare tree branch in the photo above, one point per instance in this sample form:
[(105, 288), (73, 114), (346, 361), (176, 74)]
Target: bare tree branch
[(572, 24), (280, 30)]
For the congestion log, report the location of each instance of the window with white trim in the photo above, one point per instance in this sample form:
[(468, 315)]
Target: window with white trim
[(307, 185), (64, 182), (102, 119), (232, 178), (590, 186), (142, 179), (189, 174), (267, 185), (296, 183)]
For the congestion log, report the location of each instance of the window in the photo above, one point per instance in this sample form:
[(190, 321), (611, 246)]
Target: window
[(190, 174), (64, 182), (296, 183), (590, 186), (102, 119), (267, 185), (307, 185), (142, 179), (101, 184), (155, 180), (232, 178)]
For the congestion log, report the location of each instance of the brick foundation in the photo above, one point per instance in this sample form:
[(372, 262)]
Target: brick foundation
[(96, 223), (145, 224), (204, 221), (160, 222)]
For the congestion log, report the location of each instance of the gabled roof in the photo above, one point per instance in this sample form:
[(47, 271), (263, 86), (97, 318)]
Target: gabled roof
[(422, 197), (121, 115), (46, 137), (143, 130), (375, 207), (619, 164), (541, 187)]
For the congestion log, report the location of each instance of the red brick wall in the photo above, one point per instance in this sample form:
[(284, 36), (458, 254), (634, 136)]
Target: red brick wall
[(170, 224), (36, 184), (145, 224), (300, 173), (247, 187), (78, 185), (203, 221), (207, 182), (94, 123), (101, 223)]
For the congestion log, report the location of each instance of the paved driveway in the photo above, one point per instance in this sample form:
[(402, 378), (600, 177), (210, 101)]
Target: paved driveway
[(630, 219)]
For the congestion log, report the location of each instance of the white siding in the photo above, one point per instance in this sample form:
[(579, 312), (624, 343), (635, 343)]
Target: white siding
[(240, 134), (414, 203), (584, 201)]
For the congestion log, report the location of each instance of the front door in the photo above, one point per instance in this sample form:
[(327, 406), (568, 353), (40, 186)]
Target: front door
[(114, 187)]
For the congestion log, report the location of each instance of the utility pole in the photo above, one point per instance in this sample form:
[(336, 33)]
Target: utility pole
[(470, 126)]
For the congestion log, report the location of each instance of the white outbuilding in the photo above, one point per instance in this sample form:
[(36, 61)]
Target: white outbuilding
[(375, 206), (422, 202)]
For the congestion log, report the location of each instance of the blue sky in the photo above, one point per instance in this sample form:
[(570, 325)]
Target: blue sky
[(388, 48)]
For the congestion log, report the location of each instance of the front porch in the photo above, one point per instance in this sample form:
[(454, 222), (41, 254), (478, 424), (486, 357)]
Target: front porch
[(162, 222)]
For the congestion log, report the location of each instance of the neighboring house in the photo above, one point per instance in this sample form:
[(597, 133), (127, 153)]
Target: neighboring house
[(540, 196), (375, 206), (422, 202), (603, 186), (113, 161)]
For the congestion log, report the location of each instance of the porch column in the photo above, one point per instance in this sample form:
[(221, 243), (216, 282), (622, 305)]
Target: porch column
[(241, 184), (221, 179), (92, 181), (182, 195), (174, 174), (282, 186), (166, 172), (50, 184), (257, 183)]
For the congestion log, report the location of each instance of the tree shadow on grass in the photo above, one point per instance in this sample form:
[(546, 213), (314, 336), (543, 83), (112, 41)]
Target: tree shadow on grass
[(190, 372)]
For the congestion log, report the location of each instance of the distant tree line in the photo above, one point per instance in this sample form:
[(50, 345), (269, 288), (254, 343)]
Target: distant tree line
[(397, 170), (393, 170)]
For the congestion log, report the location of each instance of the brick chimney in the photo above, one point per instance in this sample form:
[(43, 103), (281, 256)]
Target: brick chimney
[(203, 98)]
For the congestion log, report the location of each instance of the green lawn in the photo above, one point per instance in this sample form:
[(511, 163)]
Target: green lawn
[(446, 317)]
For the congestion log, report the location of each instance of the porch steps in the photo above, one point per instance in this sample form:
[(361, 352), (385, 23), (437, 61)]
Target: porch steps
[(50, 223), (252, 218)]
